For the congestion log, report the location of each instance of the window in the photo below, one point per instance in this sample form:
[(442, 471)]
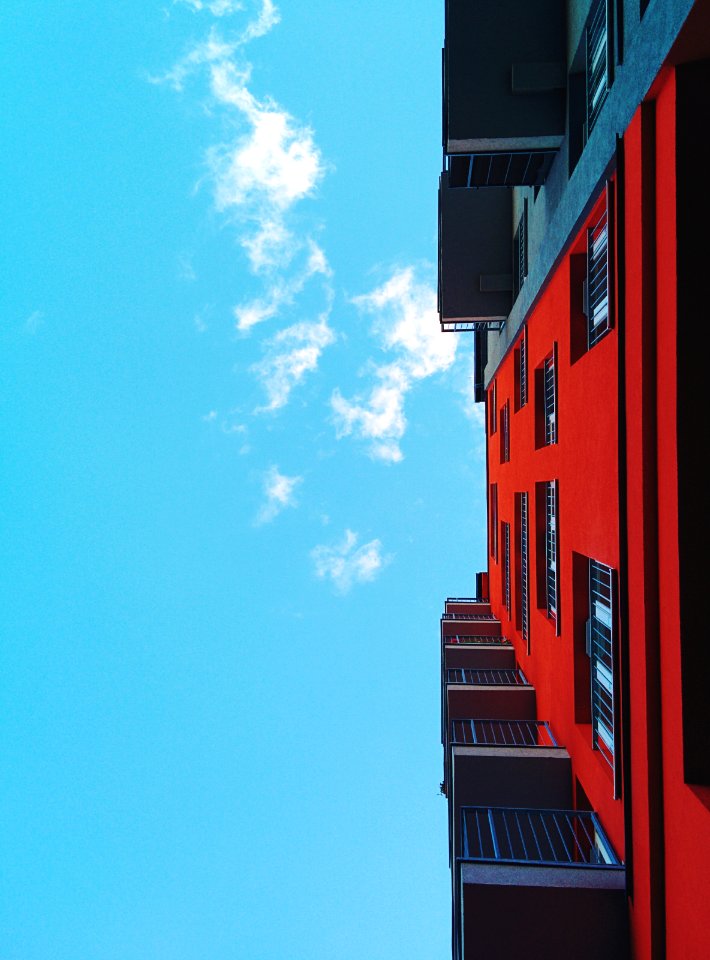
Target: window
[(551, 573), (493, 408), (598, 61), (600, 649), (524, 569), (520, 252), (521, 370), (505, 530), (549, 399), (505, 432), (546, 427), (494, 521), (591, 75), (597, 287)]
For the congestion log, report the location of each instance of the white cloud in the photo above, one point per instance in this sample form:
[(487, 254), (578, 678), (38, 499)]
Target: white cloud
[(218, 8), (278, 493), (270, 165), (290, 355), (379, 417), (345, 563), (282, 290), (407, 325), (265, 171), (211, 50), (266, 19)]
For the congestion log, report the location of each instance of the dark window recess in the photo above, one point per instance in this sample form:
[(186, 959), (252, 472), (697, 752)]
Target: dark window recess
[(520, 252), (524, 574), (601, 642), (580, 616), (505, 536), (480, 359), (551, 549), (505, 432), (597, 287), (579, 337), (494, 521), (693, 208), (550, 398), (493, 408)]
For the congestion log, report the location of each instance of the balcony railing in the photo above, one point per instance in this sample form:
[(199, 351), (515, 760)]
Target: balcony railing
[(502, 733), (475, 638), (523, 168), (546, 837), (468, 616), (483, 678)]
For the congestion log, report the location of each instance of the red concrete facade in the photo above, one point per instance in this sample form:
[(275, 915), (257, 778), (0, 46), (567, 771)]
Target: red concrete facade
[(613, 457)]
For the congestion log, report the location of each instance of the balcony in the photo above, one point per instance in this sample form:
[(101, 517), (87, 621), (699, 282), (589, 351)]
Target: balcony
[(470, 624), (478, 652), (553, 871), (466, 605), (503, 763), (475, 257), (504, 79), (499, 694)]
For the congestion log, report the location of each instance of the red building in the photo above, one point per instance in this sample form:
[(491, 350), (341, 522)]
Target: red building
[(575, 711)]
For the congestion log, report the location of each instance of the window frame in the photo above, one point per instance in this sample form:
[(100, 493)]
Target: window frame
[(505, 541), (493, 408), (552, 553), (601, 643), (549, 398), (520, 252), (599, 282), (505, 432), (524, 545), (598, 61)]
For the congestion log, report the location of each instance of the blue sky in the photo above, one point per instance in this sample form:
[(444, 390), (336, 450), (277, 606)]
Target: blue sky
[(241, 471)]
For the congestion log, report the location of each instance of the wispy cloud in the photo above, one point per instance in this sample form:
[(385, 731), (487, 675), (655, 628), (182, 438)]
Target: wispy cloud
[(265, 171), (346, 563), (282, 290), (407, 325), (211, 50), (34, 321), (259, 176), (290, 355), (279, 493), (218, 8), (186, 269)]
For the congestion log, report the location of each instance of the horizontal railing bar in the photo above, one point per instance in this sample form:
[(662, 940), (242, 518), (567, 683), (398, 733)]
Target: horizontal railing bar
[(487, 677), (528, 835), (477, 638), (501, 733)]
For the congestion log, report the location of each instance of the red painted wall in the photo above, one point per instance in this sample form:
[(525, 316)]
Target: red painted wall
[(584, 462), (670, 819)]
